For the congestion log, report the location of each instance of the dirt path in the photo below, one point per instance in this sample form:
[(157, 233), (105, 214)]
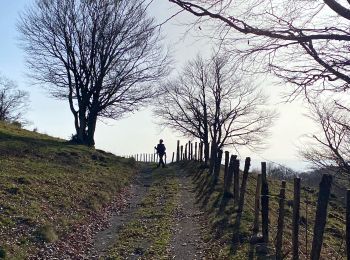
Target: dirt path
[(104, 239), (187, 242), (170, 223)]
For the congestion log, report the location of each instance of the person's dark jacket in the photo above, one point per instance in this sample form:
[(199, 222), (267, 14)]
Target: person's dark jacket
[(161, 149)]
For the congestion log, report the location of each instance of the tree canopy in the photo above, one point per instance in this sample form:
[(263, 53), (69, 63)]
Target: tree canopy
[(302, 42), (211, 101), (102, 56)]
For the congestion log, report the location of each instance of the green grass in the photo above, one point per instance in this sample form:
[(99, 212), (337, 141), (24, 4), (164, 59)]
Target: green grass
[(220, 225), (47, 185), (148, 234)]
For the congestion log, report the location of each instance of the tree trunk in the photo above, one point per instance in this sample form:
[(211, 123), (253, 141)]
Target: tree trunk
[(81, 130), (85, 130), (90, 138)]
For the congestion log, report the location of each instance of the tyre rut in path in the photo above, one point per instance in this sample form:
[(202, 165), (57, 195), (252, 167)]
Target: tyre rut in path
[(187, 243), (105, 238)]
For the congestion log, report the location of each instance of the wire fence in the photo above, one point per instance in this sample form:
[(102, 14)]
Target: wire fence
[(310, 214)]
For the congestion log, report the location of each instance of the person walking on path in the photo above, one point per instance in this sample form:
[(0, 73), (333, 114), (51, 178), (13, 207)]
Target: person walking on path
[(161, 152)]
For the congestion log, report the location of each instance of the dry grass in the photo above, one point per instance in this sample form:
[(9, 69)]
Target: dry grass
[(221, 224), (47, 182)]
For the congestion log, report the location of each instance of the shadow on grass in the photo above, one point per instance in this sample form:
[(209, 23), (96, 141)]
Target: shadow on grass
[(220, 211)]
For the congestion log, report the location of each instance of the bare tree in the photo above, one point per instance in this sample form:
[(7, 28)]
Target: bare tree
[(280, 172), (102, 56), (331, 148), (208, 100), (303, 42), (184, 106), (13, 102)]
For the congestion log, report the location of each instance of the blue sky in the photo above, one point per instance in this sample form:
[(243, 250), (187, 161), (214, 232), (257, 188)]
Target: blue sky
[(126, 136)]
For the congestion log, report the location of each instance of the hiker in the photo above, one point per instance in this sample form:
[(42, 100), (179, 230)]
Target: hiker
[(161, 152)]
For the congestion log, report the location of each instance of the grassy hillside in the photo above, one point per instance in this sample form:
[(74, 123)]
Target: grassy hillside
[(47, 186), (220, 226)]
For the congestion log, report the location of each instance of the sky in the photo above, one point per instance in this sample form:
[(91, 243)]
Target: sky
[(125, 136)]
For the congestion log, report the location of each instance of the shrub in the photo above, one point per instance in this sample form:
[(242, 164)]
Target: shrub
[(17, 124), (46, 233)]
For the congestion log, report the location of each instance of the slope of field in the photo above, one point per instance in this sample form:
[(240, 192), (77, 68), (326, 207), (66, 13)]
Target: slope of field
[(220, 222), (47, 186)]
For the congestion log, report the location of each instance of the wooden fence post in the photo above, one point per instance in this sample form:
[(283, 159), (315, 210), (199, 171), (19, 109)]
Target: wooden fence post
[(257, 204), (241, 199), (243, 185), (227, 184), (199, 151), (264, 204), (295, 220), (236, 183), (185, 152), (191, 151), (172, 160), (280, 223), (348, 224), (217, 168), (321, 215), (209, 152), (227, 158), (178, 151), (181, 151), (195, 151)]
